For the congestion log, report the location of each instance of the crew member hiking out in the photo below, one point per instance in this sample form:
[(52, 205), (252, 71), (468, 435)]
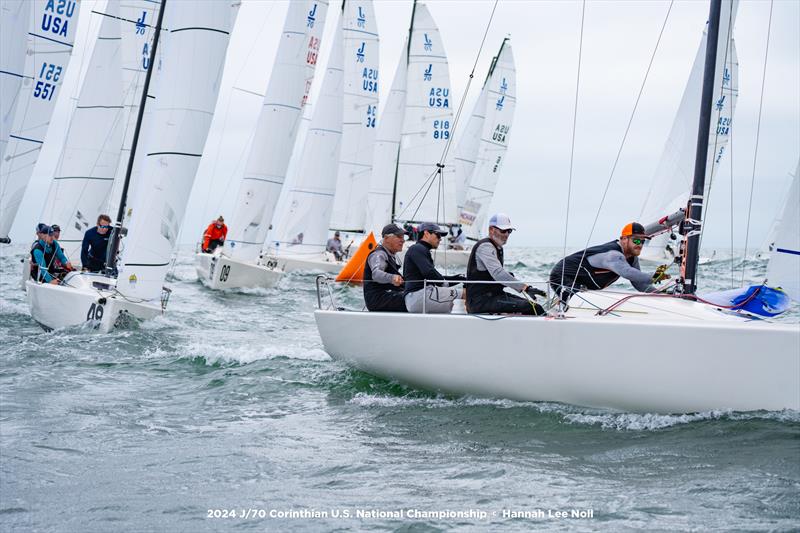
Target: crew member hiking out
[(215, 235), (599, 266), (418, 267), (486, 265), (383, 284)]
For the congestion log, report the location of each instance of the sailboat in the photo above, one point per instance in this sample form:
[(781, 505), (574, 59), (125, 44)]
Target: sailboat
[(131, 288), (673, 176), (241, 263), (35, 48), (726, 358), (335, 152)]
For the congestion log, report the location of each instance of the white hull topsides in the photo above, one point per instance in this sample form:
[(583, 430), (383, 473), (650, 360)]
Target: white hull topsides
[(308, 262), (218, 271), (719, 362), (88, 299)]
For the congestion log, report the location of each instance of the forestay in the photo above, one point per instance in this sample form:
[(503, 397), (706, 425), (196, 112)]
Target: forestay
[(51, 32), (14, 17), (784, 259), (310, 199), (426, 129), (672, 181), (360, 116), (387, 146), (194, 55), (500, 105), (85, 172), (276, 131)]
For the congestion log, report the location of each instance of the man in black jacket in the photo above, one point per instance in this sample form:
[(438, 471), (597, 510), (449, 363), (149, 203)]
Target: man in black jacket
[(95, 245), (418, 266), (383, 284)]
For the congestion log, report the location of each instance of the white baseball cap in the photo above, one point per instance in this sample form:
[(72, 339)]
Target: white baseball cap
[(501, 221)]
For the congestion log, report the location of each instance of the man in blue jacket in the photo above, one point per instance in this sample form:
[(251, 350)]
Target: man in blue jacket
[(95, 245), (438, 296)]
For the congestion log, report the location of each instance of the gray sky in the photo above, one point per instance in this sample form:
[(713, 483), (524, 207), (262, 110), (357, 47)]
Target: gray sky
[(619, 38)]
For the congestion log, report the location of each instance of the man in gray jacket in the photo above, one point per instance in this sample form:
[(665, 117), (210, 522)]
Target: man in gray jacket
[(486, 265)]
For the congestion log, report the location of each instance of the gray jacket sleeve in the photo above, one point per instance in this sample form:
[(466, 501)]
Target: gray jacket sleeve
[(486, 259), (378, 263), (615, 262)]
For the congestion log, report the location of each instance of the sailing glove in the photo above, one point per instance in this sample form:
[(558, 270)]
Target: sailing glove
[(533, 292)]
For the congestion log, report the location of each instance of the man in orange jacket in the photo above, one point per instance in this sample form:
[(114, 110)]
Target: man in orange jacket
[(215, 235)]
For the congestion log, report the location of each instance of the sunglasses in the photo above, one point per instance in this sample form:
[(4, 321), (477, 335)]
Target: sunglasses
[(637, 241), (505, 231)]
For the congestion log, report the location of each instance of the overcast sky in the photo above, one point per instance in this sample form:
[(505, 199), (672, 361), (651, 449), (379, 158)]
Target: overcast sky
[(619, 39)]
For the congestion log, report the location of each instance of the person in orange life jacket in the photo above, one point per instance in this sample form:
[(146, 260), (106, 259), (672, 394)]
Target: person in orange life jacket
[(486, 264), (418, 266), (215, 235), (43, 254), (599, 266), (383, 284)]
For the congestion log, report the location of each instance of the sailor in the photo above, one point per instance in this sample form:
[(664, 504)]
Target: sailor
[(95, 245), (383, 284), (458, 239), (215, 235), (599, 266), (59, 268), (43, 256), (486, 265), (334, 245), (438, 296)]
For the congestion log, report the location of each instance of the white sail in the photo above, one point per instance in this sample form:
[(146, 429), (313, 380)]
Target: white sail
[(500, 106), (51, 33), (387, 146), (139, 20), (468, 143), (194, 55), (14, 17), (85, 172), (672, 181), (360, 116), (784, 260), (277, 129), (310, 198), (427, 124)]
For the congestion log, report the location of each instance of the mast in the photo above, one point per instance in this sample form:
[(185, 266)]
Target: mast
[(692, 226), (397, 163), (115, 237)]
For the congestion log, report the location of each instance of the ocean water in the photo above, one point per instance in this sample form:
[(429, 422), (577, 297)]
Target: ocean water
[(226, 415)]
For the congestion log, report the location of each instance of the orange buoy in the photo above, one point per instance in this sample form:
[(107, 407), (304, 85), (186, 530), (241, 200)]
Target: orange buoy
[(353, 271)]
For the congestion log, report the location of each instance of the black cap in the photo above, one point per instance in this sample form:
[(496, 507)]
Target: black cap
[(430, 227), (41, 227), (56, 227), (392, 229)]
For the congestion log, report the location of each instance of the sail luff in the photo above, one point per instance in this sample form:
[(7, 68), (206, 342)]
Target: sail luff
[(783, 269)]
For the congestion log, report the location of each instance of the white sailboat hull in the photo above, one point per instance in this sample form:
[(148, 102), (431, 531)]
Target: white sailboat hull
[(316, 262), (79, 302), (606, 362), (217, 271)]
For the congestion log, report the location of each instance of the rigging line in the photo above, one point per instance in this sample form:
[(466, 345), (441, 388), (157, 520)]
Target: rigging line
[(622, 145), (758, 131), (411, 201), (572, 147)]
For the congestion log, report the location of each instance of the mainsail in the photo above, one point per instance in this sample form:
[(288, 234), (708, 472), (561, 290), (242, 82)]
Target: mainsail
[(85, 172), (309, 201), (501, 101), (421, 193), (50, 34), (194, 55), (673, 177), (784, 259), (359, 120), (387, 147), (14, 17), (277, 128)]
